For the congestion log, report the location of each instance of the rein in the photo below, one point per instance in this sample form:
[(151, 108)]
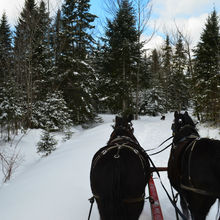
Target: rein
[(160, 150), (160, 144), (169, 197)]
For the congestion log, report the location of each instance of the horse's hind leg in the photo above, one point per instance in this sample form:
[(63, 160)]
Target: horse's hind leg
[(200, 205), (184, 207)]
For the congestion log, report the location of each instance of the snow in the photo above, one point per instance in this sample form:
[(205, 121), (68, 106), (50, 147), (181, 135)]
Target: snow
[(57, 187)]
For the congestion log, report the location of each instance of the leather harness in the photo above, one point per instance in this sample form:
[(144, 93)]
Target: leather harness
[(115, 145), (191, 147)]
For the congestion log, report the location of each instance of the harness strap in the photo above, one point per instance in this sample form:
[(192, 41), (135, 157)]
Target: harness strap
[(128, 200), (190, 156), (192, 187), (196, 190), (120, 146), (91, 200), (119, 138)]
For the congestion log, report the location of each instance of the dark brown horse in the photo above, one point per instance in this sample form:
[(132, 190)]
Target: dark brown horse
[(119, 174), (194, 168)]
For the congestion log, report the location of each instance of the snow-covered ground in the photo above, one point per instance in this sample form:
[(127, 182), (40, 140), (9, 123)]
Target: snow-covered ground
[(57, 187)]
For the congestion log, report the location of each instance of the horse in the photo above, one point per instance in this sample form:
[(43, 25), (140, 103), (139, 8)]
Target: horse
[(119, 174), (194, 168)]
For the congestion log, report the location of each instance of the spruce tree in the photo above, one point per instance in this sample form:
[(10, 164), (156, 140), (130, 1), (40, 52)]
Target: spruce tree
[(121, 55), (167, 55), (42, 54), (52, 113), (11, 111), (74, 70), (178, 85), (6, 61), (206, 72), (155, 96), (47, 144), (24, 51)]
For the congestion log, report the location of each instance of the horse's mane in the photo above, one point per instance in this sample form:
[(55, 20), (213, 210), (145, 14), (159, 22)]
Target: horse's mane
[(186, 127), (185, 132)]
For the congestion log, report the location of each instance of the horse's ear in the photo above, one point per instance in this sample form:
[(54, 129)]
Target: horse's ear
[(188, 119), (116, 120), (130, 117), (175, 114)]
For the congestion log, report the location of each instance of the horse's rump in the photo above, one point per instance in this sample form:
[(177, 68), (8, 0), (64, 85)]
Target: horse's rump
[(119, 174), (196, 164), (118, 180), (130, 168), (203, 165)]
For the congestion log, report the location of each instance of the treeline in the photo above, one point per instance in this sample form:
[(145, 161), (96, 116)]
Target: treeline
[(55, 72)]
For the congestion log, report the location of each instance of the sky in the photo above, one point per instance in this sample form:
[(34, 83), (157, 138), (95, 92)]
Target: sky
[(188, 15)]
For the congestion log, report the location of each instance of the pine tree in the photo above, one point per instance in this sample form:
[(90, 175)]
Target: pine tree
[(121, 55), (206, 72)]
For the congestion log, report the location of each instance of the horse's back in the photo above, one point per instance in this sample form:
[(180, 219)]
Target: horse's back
[(128, 167), (205, 164), (118, 180), (196, 164)]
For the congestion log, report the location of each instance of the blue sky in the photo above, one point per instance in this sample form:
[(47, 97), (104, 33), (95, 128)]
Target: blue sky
[(189, 15)]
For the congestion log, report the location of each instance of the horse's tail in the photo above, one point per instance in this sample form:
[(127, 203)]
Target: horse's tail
[(111, 204), (116, 190)]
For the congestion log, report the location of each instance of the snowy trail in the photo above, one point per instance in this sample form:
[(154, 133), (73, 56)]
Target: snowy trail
[(58, 188)]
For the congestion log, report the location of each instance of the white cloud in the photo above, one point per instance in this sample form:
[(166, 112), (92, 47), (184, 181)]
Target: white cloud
[(154, 43), (192, 26), (174, 8), (189, 15)]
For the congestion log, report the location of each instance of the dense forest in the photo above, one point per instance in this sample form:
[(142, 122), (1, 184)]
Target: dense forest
[(54, 72)]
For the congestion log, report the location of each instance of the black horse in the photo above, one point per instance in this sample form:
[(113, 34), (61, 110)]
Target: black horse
[(119, 174), (194, 168)]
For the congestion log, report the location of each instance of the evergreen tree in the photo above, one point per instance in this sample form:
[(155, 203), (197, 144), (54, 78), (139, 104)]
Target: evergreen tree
[(42, 54), (152, 103), (24, 51), (122, 51), (11, 112), (178, 86), (153, 97), (52, 113), (167, 55), (207, 72), (74, 70), (5, 50), (47, 144)]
